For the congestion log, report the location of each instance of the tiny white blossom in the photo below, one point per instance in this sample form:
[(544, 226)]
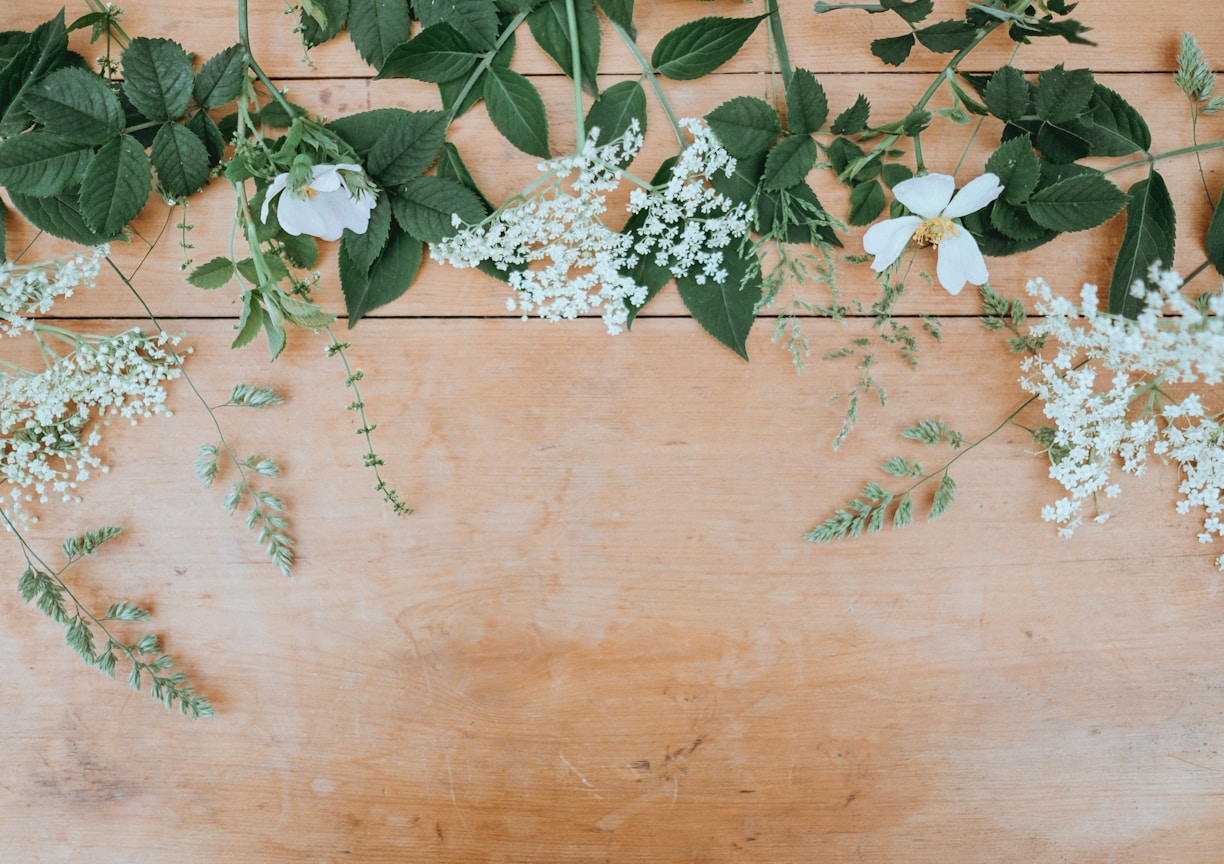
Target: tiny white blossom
[(324, 206), (931, 201)]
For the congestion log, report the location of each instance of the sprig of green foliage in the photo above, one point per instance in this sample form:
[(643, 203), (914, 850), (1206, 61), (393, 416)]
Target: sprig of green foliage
[(1002, 313)]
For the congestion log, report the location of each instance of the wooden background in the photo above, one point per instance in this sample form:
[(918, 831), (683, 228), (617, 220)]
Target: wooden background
[(602, 637)]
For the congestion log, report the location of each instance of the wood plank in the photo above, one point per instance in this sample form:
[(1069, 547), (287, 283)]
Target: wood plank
[(601, 636)]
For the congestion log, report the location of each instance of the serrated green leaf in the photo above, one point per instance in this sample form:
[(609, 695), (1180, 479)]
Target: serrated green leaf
[(615, 110), (302, 314), (726, 310), (745, 125), (377, 26), (58, 215), (1062, 94), (450, 91), (475, 19), (893, 50), (1117, 129), (1018, 168), (212, 274), (789, 163), (854, 119), (204, 128), (391, 274), (363, 249), (807, 106), (1008, 94), (620, 13), (302, 250), (327, 22), (115, 185), (1215, 236), (549, 25), (1151, 235), (696, 48), (946, 36), (77, 105), (157, 77), (221, 79), (913, 11), (450, 166), (46, 49), (517, 110), (180, 159), (426, 206), (438, 53), (407, 147), (1014, 221), (1077, 203), (42, 164), (866, 203), (361, 131)]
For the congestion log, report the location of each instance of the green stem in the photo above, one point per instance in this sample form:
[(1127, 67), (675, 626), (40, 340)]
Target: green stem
[(648, 72), (485, 62), (778, 34), (821, 8), (245, 38), (1153, 158), (576, 61)]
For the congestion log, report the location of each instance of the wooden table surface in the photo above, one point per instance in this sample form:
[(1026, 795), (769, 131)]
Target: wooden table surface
[(601, 636)]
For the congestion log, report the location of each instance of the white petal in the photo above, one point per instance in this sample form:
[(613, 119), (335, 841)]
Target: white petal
[(274, 188), (976, 194), (301, 216), (960, 261), (886, 240), (325, 178), (927, 195), (337, 210)]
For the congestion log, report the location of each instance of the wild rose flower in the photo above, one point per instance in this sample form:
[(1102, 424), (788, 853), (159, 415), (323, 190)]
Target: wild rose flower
[(324, 205), (930, 198)]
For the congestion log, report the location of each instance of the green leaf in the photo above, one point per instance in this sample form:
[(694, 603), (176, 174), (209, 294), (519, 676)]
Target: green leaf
[(1062, 144), (946, 36), (516, 109), (726, 310), (475, 19), (615, 110), (377, 26), (866, 203), (807, 107), (1215, 236), (425, 208), (789, 162), (212, 274), (1077, 203), (745, 125), (1014, 221), (1063, 95), (389, 277), (796, 215), (620, 13), (1151, 234), (361, 131), (549, 25), (1117, 129), (697, 48), (58, 215), (1018, 168), (76, 104), (203, 127), (41, 163), (893, 50), (436, 54), (854, 118), (363, 249), (407, 147), (1008, 94), (221, 79), (334, 15), (912, 11), (451, 167), (302, 250), (450, 91), (302, 313), (115, 186), (250, 321), (157, 77), (45, 50), (646, 271), (180, 159)]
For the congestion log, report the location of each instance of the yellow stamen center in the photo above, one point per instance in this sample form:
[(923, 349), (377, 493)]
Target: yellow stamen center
[(932, 231)]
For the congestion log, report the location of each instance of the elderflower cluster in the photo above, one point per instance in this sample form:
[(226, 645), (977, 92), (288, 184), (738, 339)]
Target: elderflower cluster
[(48, 420), (562, 260), (687, 223), (1104, 392), (28, 290)]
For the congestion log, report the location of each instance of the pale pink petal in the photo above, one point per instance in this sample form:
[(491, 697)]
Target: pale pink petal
[(927, 195), (274, 189), (886, 240), (960, 261), (975, 195)]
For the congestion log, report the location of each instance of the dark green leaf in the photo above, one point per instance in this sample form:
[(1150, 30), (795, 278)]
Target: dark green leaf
[(1151, 233), (796, 216), (893, 50), (807, 107), (58, 215), (334, 14), (301, 250), (425, 208), (377, 26), (1077, 203), (180, 159), (516, 109), (220, 80), (451, 167), (392, 272), (115, 185), (1062, 143), (1215, 236), (727, 309), (1117, 129), (549, 24), (894, 172), (42, 164), (207, 131), (407, 147), (646, 272), (620, 13), (1017, 167), (853, 119), (475, 19), (362, 131), (436, 54), (1008, 94), (45, 50), (212, 274), (946, 36), (1063, 95), (866, 203), (745, 125), (450, 91), (788, 163), (1014, 221), (362, 249), (842, 152), (615, 110), (76, 104), (912, 11), (157, 77), (697, 48), (742, 184)]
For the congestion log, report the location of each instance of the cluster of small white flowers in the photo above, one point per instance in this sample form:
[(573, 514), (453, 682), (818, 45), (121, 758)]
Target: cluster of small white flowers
[(28, 290), (48, 421), (562, 259), (688, 223), (1171, 342)]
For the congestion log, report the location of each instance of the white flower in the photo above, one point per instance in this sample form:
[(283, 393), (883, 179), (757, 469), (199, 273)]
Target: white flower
[(324, 207), (930, 197)]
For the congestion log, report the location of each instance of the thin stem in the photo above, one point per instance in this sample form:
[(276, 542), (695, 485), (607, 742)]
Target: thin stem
[(576, 61), (648, 72), (245, 38), (1153, 158), (778, 34)]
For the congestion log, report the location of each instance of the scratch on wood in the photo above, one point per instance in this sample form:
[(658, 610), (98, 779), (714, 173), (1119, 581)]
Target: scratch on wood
[(451, 779), (570, 765)]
